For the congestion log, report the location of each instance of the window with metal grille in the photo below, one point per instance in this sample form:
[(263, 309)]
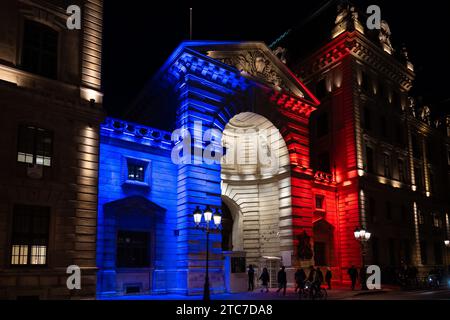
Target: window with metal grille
[(30, 233), (34, 145), (40, 49)]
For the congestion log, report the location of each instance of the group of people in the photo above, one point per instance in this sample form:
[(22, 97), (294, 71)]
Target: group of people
[(315, 277)]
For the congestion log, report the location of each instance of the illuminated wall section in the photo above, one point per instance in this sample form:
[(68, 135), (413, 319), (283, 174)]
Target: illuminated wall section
[(91, 51), (209, 92), (417, 255), (147, 206)]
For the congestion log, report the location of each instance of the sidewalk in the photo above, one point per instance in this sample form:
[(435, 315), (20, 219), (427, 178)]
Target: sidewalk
[(340, 293)]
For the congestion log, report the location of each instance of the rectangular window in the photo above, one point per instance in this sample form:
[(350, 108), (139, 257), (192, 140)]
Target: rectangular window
[(30, 233), (400, 133), (419, 177), (323, 162), (416, 147), (366, 82), (322, 125), (369, 160), (372, 210), (321, 89), (40, 49), (388, 210), (387, 165), (383, 127), (404, 213), (423, 252), (132, 249), (438, 253), (136, 170), (34, 145), (401, 171), (367, 119), (437, 221), (406, 251), (320, 202), (421, 217)]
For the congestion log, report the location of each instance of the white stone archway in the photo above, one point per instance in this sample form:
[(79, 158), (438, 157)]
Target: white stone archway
[(256, 186)]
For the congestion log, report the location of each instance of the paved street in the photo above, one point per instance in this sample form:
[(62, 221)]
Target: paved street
[(337, 294)]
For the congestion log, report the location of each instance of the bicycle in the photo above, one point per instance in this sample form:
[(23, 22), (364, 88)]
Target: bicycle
[(310, 292)]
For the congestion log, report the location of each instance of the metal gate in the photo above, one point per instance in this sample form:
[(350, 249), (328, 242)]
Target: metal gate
[(273, 265)]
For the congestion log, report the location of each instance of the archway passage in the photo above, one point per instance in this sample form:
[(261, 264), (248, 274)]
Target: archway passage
[(256, 186)]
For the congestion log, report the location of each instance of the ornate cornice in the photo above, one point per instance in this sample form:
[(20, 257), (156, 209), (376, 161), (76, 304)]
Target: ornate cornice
[(356, 44), (138, 133)]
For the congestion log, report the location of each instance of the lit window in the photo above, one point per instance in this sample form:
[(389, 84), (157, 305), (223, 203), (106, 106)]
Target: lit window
[(34, 146), (136, 170), (30, 235), (19, 254), (421, 217)]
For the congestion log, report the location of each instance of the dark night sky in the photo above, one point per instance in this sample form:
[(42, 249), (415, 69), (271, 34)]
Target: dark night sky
[(139, 37)]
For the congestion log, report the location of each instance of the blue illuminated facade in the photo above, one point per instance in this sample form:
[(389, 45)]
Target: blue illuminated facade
[(145, 200)]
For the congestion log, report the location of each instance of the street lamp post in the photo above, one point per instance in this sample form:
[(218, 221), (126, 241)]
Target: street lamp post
[(205, 227), (363, 236)]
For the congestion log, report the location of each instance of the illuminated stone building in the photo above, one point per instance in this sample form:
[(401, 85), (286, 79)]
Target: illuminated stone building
[(388, 159), (109, 196), (50, 111)]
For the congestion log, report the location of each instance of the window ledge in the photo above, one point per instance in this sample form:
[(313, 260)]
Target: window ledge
[(135, 183)]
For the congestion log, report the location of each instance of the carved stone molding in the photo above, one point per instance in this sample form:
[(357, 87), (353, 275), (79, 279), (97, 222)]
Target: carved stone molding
[(256, 64)]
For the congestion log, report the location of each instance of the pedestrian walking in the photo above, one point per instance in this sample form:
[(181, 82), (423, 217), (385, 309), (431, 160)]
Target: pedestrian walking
[(328, 276), (353, 273), (282, 280), (300, 278), (265, 279), (251, 278)]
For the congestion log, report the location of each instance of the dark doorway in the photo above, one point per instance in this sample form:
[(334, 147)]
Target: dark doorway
[(132, 249), (320, 254), (227, 228)]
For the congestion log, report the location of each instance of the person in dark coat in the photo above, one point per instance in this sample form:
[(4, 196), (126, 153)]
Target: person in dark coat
[(251, 278), (300, 278), (312, 274), (353, 273), (363, 278), (319, 277), (282, 280), (328, 276), (265, 278)]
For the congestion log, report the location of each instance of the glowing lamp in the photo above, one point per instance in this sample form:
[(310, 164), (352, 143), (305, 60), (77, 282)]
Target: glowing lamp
[(197, 215), (208, 214), (362, 235), (217, 218), (447, 243)]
